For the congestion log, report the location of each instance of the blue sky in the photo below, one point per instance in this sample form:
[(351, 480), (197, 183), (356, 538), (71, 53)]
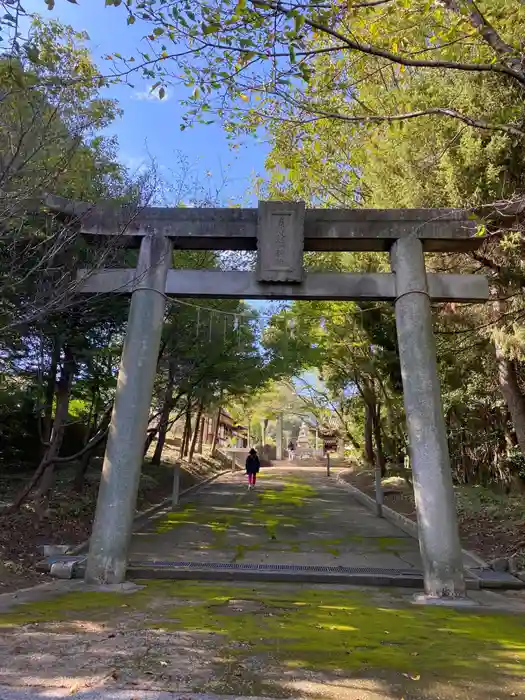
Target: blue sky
[(149, 128)]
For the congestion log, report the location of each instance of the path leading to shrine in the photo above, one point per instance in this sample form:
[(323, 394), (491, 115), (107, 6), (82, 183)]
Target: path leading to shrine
[(296, 517)]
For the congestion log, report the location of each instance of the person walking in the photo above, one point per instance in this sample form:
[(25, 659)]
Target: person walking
[(291, 451), (252, 468)]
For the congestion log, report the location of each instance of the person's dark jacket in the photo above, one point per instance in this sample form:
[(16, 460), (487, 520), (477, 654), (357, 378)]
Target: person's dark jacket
[(252, 464)]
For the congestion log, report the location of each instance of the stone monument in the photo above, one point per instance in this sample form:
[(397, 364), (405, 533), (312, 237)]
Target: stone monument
[(303, 448)]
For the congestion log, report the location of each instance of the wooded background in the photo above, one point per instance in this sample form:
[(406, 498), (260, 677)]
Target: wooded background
[(385, 103)]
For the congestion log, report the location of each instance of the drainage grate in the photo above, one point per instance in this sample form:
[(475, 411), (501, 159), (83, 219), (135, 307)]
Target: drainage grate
[(277, 567)]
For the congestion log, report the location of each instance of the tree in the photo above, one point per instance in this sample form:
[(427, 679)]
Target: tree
[(352, 346), (51, 114), (50, 141), (424, 163), (210, 358), (258, 58)]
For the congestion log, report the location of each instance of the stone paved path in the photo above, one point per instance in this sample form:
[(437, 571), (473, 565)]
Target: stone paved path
[(296, 515)]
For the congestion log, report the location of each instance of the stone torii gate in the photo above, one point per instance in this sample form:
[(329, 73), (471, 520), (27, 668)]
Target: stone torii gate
[(280, 232)]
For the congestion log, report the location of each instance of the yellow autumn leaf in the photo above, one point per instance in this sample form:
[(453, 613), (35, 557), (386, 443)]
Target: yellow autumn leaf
[(244, 97)]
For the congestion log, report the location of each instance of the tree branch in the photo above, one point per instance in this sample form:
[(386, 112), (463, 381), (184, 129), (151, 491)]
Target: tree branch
[(371, 50), (378, 118), (487, 31)]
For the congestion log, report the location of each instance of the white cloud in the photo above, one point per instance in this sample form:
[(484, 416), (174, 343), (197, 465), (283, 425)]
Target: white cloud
[(149, 95), (137, 164)]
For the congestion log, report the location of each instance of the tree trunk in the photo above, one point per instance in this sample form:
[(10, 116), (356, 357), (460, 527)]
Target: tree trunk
[(380, 455), (201, 435), (509, 386), (187, 431), (196, 431), (164, 418), (216, 431), (80, 476), (78, 482), (57, 435), (510, 435), (183, 440), (49, 395), (249, 436), (369, 432), (45, 470), (264, 427)]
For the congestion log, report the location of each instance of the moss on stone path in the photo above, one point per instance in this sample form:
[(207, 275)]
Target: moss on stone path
[(274, 509), (276, 516), (351, 633)]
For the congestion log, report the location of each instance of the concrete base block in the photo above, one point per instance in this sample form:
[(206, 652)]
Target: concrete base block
[(64, 569), (460, 602), (51, 550), (126, 587)]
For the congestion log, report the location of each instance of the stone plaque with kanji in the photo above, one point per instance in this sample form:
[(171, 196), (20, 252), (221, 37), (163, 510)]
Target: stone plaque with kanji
[(280, 242)]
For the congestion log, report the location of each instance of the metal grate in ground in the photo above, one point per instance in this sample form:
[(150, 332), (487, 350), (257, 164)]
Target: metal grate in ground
[(292, 568)]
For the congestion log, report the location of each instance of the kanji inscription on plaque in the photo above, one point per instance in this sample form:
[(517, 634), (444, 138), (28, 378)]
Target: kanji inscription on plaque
[(280, 242)]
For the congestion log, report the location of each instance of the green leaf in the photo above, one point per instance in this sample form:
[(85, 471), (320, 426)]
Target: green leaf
[(162, 93), (158, 31), (299, 21), (210, 28), (33, 54), (131, 19), (50, 4)]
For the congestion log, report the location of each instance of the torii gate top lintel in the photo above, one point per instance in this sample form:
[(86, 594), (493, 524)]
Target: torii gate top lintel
[(440, 230)]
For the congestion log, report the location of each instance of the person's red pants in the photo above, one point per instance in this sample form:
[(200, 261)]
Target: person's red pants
[(252, 478)]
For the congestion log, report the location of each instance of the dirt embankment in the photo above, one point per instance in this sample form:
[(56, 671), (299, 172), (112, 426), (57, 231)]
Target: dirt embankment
[(492, 525), (70, 514)]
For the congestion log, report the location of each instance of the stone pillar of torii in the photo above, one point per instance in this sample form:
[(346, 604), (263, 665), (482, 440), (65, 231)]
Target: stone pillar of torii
[(281, 232)]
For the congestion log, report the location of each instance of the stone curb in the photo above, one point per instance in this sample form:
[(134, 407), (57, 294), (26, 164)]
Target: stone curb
[(146, 515), (402, 522), (52, 693)]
